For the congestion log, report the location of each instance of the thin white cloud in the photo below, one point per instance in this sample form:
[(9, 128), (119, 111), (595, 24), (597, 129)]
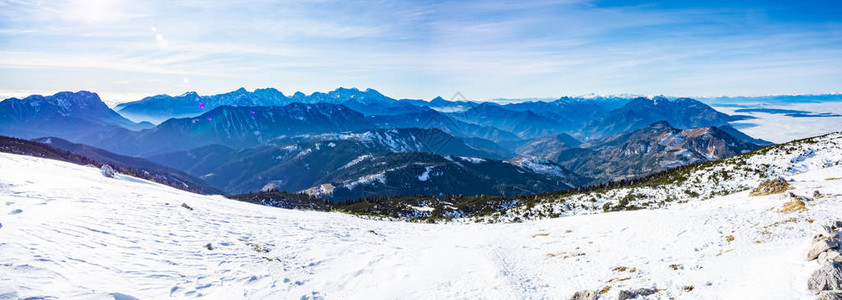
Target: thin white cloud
[(45, 61), (485, 49)]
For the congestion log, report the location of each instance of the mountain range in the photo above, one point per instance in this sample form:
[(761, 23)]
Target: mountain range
[(434, 119), (651, 149), (236, 126), (639, 112), (351, 143), (524, 123), (163, 107), (382, 162)]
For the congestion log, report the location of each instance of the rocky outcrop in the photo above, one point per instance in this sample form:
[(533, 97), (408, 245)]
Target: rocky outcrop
[(827, 280), (827, 232), (830, 256), (107, 171), (774, 186), (827, 295), (820, 247), (631, 294), (584, 295)]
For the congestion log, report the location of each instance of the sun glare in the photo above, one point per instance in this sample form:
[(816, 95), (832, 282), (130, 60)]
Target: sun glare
[(92, 11)]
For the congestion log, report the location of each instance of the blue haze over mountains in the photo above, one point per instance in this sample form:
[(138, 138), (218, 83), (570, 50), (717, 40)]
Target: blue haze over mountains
[(351, 143)]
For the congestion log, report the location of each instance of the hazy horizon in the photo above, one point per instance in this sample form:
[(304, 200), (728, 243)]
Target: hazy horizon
[(112, 101)]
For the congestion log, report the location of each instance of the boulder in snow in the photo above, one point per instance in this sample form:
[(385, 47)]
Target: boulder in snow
[(584, 295), (792, 196), (774, 186), (830, 295), (107, 171), (826, 278), (830, 256), (793, 206), (623, 295), (836, 225), (821, 246), (827, 231)]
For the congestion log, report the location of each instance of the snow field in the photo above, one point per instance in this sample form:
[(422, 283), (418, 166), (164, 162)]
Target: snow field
[(69, 232)]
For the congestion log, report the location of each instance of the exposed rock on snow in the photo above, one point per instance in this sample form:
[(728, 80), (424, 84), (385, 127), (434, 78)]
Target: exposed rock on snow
[(820, 246), (830, 256), (107, 171), (827, 281), (828, 232), (631, 294), (584, 295), (830, 295), (793, 206), (828, 277), (774, 186), (793, 196)]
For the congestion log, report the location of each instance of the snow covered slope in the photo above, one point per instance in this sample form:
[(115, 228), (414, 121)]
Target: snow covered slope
[(702, 181), (69, 232)]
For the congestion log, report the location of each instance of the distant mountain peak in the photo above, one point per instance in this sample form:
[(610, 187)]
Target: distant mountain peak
[(267, 90), (70, 114), (69, 101), (660, 98), (190, 94), (373, 92), (79, 93), (641, 112)]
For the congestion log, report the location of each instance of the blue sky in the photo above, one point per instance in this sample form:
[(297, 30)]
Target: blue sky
[(413, 49)]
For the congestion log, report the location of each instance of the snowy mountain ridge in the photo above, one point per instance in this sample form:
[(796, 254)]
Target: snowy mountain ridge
[(701, 181), (683, 184), (390, 140), (639, 152)]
